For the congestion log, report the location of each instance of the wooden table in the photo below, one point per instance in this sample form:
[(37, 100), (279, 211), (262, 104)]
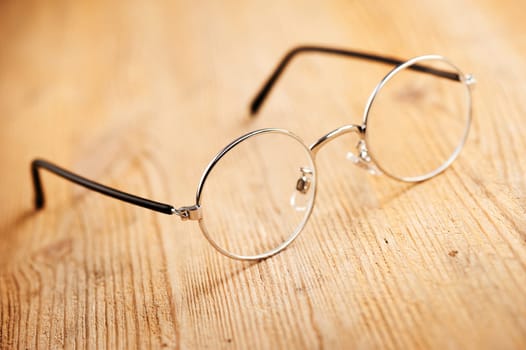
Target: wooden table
[(140, 96)]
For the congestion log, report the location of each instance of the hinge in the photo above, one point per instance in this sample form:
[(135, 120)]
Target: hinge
[(469, 79), (192, 212)]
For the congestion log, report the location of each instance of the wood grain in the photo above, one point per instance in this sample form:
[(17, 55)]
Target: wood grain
[(140, 96)]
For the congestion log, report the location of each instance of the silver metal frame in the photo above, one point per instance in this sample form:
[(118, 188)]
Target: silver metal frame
[(217, 158), (467, 80), (364, 159), (346, 129)]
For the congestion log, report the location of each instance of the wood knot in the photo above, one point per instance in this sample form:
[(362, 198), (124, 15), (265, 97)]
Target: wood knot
[(55, 251)]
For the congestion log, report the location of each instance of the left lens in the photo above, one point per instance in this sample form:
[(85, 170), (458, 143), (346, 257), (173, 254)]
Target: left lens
[(417, 121), (257, 194)]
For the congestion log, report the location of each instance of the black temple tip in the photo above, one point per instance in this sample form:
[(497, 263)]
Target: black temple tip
[(39, 202), (254, 106), (37, 184)]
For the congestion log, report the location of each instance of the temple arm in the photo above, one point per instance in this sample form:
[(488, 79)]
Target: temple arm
[(38, 164), (265, 90)]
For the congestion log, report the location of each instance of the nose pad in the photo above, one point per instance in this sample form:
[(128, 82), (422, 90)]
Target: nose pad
[(303, 183), (363, 160), (299, 200)]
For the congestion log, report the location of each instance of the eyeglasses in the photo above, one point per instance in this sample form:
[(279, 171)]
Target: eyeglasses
[(256, 195)]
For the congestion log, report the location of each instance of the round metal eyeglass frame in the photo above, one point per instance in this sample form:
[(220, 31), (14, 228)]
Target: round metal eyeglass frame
[(364, 158), (312, 187), (466, 80)]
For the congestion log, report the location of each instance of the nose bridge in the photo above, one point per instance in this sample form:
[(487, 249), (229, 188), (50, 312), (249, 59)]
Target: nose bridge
[(346, 129)]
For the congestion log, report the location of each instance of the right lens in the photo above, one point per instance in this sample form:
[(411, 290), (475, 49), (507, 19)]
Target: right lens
[(257, 194), (418, 120)]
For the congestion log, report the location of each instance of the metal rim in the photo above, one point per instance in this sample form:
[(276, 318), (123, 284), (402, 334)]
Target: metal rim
[(463, 139), (218, 157)]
